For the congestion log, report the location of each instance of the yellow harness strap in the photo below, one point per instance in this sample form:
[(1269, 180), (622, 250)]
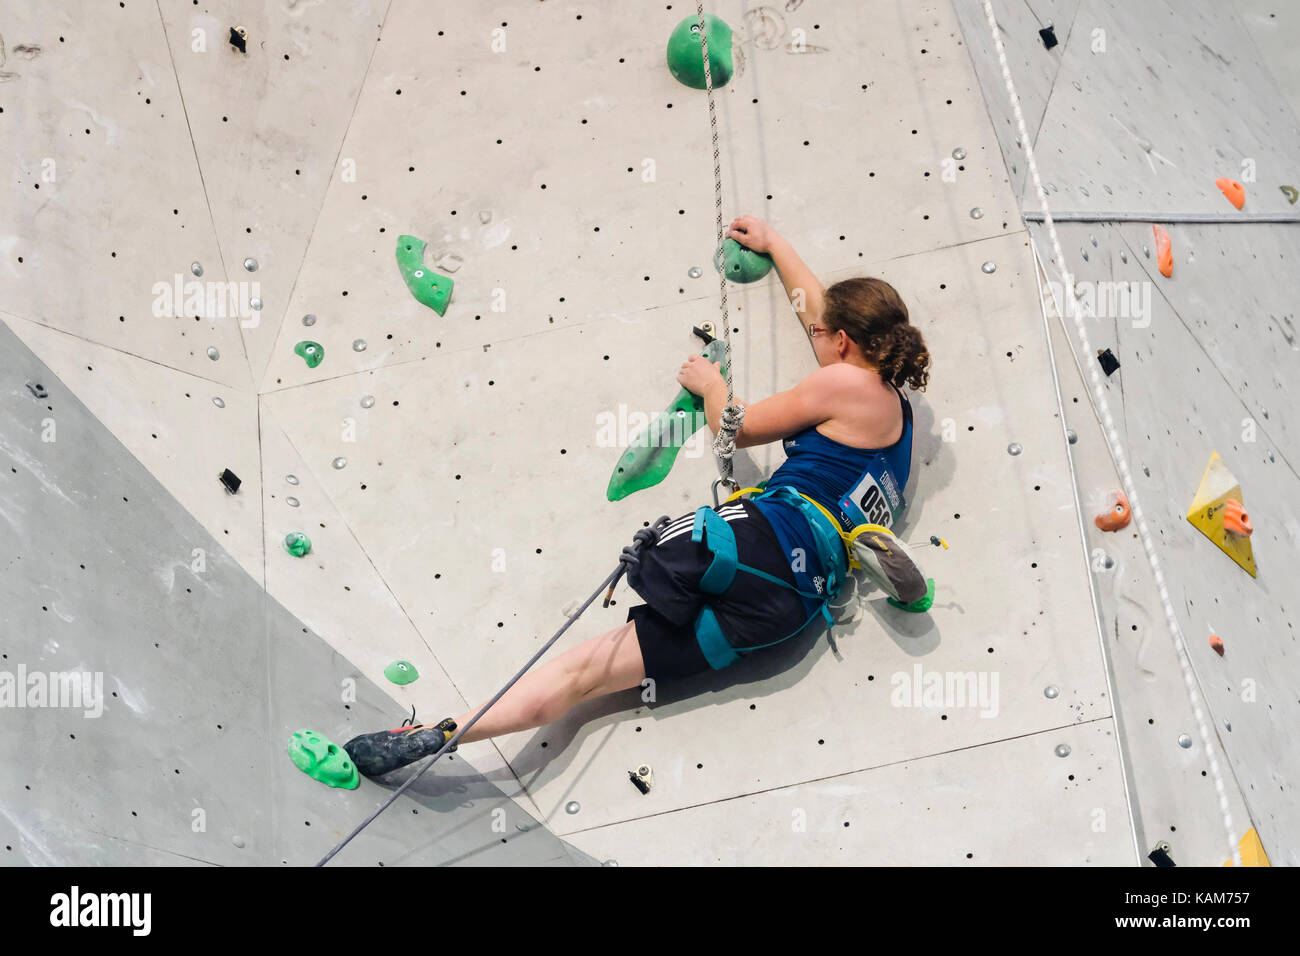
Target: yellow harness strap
[(742, 491), (847, 538)]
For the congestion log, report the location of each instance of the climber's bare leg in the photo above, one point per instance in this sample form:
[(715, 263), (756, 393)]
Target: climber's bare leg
[(600, 665)]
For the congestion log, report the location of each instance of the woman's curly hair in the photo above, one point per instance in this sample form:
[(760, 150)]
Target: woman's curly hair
[(872, 314)]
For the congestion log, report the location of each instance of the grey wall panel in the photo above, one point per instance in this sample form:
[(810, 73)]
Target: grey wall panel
[(1010, 803), (1033, 66), (203, 678), (1172, 793), (452, 815), (266, 127), (1153, 102), (1274, 26), (41, 837), (104, 185), (1196, 374)]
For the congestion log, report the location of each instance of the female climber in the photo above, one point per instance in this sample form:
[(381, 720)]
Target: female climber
[(847, 435)]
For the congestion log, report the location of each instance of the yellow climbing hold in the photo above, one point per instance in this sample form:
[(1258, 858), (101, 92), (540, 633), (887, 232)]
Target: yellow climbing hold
[(1206, 514), (1251, 850)]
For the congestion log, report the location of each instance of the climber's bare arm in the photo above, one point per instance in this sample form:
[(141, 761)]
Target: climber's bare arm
[(805, 292), (800, 284), (809, 403)]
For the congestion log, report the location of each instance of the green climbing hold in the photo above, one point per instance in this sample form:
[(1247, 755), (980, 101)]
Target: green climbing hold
[(323, 760), (740, 264), (686, 53), (312, 352), (401, 672), (651, 454), (297, 543), (428, 287), (921, 604)]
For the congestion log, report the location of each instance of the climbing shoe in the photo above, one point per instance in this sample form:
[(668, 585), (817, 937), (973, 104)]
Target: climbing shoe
[(386, 750)]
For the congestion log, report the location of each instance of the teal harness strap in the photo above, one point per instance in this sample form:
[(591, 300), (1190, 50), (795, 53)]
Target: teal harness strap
[(722, 542), (718, 537), (717, 649)]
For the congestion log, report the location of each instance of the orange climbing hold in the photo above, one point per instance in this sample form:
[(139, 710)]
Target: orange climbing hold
[(1235, 518), (1216, 643), (1164, 251), (1234, 190), (1117, 517)]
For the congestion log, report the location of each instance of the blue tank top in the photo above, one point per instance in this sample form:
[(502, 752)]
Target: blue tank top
[(826, 471)]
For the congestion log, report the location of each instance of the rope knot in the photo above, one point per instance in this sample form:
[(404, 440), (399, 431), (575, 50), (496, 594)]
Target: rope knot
[(724, 444), (629, 558)]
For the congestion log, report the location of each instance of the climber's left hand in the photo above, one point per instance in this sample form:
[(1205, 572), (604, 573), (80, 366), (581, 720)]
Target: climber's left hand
[(697, 375)]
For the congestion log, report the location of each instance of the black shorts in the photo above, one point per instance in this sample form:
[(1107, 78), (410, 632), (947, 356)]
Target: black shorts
[(752, 612)]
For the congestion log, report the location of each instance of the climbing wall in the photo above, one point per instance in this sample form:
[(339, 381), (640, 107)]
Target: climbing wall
[(450, 469), (162, 739), (1205, 370), (1204, 357), (1173, 96)]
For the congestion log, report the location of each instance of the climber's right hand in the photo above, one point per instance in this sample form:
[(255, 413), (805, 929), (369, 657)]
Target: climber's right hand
[(753, 233)]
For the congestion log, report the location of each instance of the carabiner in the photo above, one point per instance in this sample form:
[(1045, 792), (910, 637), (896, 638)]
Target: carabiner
[(735, 486)]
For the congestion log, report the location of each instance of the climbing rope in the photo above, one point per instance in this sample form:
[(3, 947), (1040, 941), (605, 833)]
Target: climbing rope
[(629, 557), (724, 443), (1117, 453)]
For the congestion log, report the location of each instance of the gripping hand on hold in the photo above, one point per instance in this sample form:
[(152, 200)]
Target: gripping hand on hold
[(698, 376), (806, 293), (753, 233)]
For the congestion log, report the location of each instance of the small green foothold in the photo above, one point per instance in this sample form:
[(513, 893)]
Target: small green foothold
[(428, 287), (686, 52), (312, 352), (742, 264), (297, 543), (651, 454), (323, 760), (401, 672), (921, 604)]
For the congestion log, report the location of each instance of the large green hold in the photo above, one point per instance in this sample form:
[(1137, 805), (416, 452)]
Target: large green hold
[(322, 759), (740, 264), (428, 287), (650, 455), (686, 52)]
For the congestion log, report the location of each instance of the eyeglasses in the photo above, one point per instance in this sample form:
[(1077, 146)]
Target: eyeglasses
[(813, 331)]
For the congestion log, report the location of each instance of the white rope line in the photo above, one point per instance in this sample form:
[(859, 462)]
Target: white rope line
[(1138, 853), (1112, 439), (724, 443)]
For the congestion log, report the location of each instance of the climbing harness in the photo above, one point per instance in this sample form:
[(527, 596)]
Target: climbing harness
[(871, 548), (648, 535), (1112, 441), (870, 509), (711, 528), (724, 443)]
